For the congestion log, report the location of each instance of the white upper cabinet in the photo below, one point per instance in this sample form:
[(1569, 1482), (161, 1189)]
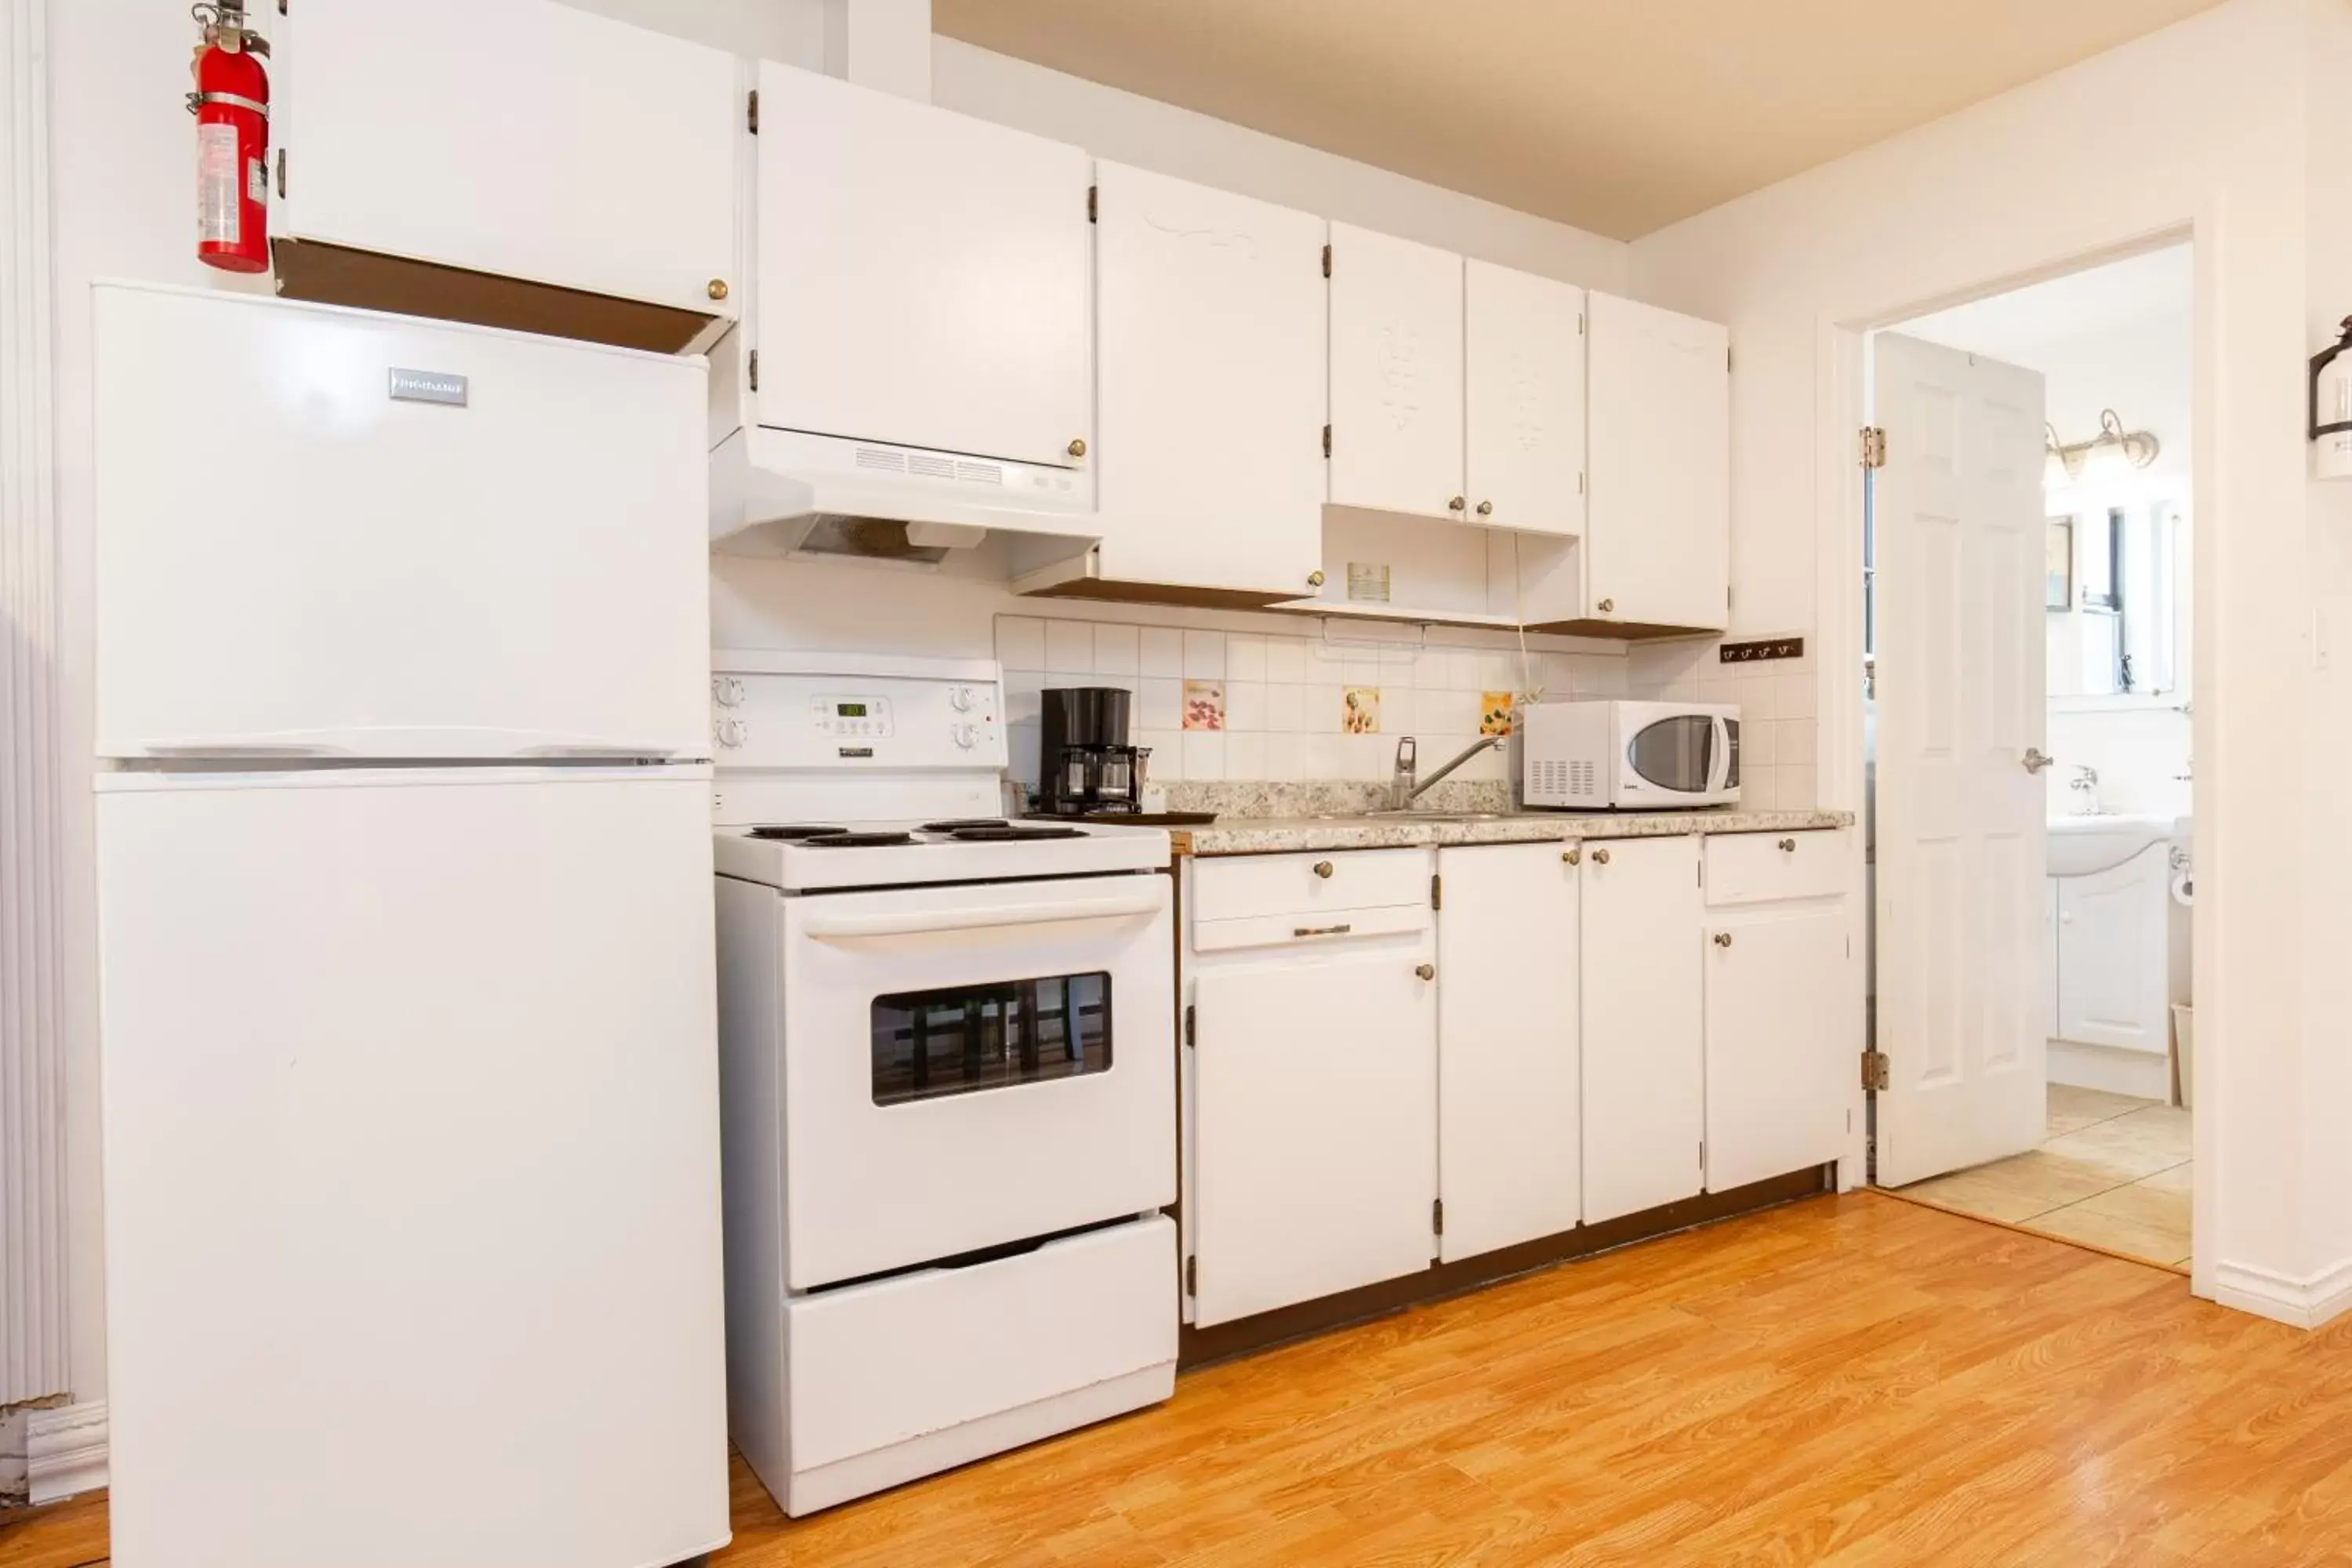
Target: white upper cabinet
[(1523, 400), (1658, 521), (1210, 365), (922, 275), (1396, 374), (534, 145)]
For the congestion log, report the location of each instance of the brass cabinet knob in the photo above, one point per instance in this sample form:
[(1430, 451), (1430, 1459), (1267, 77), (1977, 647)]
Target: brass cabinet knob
[(1607, 606), (717, 288), (1601, 857), (1079, 447), (1314, 579), (1573, 857), (1789, 844), (1486, 509), (1323, 868), (1723, 939), (1426, 971), (1455, 504)]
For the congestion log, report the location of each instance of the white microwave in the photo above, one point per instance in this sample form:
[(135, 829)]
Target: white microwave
[(1616, 755)]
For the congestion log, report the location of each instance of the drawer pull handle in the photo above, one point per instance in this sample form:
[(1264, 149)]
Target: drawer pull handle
[(1723, 939), (1601, 857), (1573, 857), (1323, 870), (1321, 931), (1789, 844), (1426, 971)]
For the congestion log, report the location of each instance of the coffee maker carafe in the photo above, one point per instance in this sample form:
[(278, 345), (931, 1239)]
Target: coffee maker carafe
[(1083, 755)]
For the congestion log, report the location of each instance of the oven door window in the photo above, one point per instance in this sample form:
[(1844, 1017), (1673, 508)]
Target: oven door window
[(1676, 754), (962, 1039)]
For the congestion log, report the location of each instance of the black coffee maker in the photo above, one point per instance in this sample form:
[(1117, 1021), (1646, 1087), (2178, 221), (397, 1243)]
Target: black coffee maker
[(1082, 755)]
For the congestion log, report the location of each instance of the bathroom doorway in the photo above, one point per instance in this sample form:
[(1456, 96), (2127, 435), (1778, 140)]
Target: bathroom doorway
[(2059, 977)]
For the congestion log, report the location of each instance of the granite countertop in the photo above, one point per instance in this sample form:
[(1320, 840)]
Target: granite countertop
[(1242, 835)]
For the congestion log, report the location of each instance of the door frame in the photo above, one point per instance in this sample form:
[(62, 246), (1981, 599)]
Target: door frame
[(1841, 390)]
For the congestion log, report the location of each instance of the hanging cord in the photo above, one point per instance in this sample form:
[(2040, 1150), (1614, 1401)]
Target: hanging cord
[(1528, 691)]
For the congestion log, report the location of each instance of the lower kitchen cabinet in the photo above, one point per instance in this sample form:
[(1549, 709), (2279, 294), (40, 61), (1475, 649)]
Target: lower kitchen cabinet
[(1644, 1089), (1777, 1062), (1509, 1121), (1313, 1077)]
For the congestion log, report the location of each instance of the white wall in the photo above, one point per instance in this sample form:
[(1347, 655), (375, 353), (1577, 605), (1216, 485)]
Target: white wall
[(2204, 125)]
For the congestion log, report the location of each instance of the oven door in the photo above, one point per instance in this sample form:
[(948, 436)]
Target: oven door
[(1670, 756), (971, 1066)]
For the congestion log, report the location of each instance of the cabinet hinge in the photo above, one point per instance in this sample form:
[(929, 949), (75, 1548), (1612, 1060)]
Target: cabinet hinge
[(281, 173), (1702, 1153), (1579, 484), (1437, 1215), (1436, 892), (1326, 440), (1094, 201), (752, 367), (752, 112), (1579, 323), (1192, 1275), (1327, 261), (1873, 446), (1727, 359), (1873, 1070), (1191, 1018)]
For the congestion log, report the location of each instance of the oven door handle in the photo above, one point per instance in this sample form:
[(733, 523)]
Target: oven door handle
[(1148, 900)]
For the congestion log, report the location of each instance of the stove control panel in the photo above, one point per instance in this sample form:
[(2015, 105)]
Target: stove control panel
[(844, 720)]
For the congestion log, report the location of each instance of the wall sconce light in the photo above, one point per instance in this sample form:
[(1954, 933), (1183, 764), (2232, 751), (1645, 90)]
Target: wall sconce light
[(2331, 408), (2113, 447)]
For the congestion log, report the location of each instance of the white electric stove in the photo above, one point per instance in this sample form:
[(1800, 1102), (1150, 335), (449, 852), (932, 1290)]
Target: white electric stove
[(948, 1090)]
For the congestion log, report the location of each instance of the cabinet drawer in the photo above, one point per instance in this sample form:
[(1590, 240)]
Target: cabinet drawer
[(1245, 886), (1763, 868), (1318, 929)]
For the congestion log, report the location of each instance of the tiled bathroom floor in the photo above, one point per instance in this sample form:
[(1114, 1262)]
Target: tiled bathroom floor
[(2114, 1173)]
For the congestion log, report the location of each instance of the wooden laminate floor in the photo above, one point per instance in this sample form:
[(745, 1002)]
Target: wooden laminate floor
[(1849, 1380)]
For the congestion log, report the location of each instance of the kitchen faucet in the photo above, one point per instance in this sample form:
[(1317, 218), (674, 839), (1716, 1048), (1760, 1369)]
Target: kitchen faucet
[(1405, 787)]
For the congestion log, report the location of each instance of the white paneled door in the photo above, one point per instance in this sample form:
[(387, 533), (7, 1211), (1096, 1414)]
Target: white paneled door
[(1396, 374), (1962, 944)]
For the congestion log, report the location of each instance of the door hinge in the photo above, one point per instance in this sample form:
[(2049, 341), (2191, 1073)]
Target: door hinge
[(1727, 359), (1190, 1019), (1579, 323), (1327, 261), (281, 7), (1437, 1215), (1873, 1070), (1436, 892), (1192, 1275), (281, 173), (1873, 446), (1093, 196), (1702, 1153), (752, 112), (1326, 440), (751, 365)]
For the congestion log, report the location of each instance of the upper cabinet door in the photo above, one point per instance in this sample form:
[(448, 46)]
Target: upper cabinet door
[(922, 275), (1524, 397), (1396, 374), (1210, 388), (520, 138), (1658, 521)]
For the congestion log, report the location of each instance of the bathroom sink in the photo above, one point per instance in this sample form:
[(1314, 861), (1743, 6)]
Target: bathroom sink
[(2082, 845)]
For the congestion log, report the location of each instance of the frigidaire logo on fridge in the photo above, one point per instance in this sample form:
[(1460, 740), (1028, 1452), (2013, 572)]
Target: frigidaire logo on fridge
[(428, 386)]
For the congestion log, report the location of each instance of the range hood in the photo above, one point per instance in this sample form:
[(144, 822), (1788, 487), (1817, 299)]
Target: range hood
[(782, 492)]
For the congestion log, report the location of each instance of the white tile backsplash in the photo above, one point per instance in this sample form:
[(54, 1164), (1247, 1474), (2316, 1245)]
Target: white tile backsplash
[(1162, 650), (1286, 659), (1163, 704), (1204, 754), (1244, 656), (1117, 650), (1069, 648), (1020, 642), (1204, 655), (1244, 707)]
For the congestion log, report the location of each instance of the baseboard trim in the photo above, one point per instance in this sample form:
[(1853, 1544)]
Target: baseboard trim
[(2303, 1302), (65, 1450)]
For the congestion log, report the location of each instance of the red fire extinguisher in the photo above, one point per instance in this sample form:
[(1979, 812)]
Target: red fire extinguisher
[(231, 104)]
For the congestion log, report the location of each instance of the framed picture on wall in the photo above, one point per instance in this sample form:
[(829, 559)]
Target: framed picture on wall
[(2058, 565)]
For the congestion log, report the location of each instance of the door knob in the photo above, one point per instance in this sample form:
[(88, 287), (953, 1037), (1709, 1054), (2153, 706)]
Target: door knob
[(2034, 760), (1314, 579), (1486, 509), (1601, 857), (1323, 870), (1426, 971), (1723, 939), (1572, 856), (1455, 504), (1607, 606)]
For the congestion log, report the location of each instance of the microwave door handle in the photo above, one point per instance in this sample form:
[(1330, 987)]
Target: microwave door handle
[(1720, 775), (1146, 900)]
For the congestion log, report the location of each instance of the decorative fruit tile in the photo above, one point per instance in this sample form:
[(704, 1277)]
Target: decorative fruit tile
[(1360, 711), (1494, 713), (1205, 705)]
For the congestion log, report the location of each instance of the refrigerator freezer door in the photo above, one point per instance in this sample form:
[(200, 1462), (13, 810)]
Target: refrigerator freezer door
[(324, 532), (411, 1169)]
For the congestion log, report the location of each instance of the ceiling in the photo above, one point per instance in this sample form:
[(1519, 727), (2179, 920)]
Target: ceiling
[(2154, 292), (1617, 116)]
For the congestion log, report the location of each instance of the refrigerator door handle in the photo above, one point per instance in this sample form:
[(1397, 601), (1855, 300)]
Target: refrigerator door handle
[(409, 742)]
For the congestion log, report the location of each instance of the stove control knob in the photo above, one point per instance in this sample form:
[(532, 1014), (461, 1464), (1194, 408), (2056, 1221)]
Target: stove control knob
[(730, 732), (966, 736), (728, 691), (959, 698)]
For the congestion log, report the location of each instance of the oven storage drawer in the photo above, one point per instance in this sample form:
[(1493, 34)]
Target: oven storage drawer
[(1230, 888), (876, 1376), (1767, 868)]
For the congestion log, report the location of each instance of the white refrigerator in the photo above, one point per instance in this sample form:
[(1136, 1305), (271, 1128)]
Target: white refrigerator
[(407, 1028)]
